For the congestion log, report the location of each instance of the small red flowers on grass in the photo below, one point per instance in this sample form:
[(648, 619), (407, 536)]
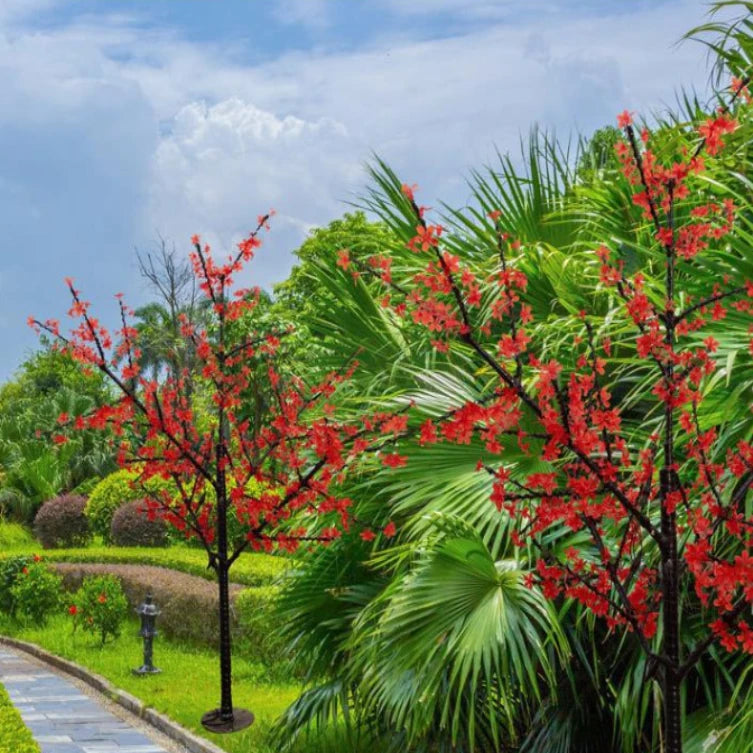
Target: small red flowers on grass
[(713, 129)]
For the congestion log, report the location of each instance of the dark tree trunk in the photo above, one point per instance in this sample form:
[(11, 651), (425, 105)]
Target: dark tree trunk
[(226, 673), (225, 718), (672, 722)]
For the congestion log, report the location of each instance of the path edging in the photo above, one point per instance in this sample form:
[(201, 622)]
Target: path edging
[(162, 723)]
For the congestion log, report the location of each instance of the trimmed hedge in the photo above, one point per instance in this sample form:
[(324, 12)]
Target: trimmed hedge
[(14, 736), (250, 569), (61, 522), (257, 634), (189, 606), (131, 526)]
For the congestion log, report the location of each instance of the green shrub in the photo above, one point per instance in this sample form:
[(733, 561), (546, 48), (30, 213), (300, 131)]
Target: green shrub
[(85, 488), (112, 492), (14, 736), (9, 570), (189, 605), (131, 526), (36, 592), (61, 522), (101, 606), (257, 635), (13, 536)]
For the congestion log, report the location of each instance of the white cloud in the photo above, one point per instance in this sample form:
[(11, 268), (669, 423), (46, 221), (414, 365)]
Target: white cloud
[(111, 132), (222, 165), (15, 10)]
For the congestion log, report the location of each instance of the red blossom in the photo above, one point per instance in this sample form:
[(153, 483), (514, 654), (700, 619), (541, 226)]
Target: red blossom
[(624, 119)]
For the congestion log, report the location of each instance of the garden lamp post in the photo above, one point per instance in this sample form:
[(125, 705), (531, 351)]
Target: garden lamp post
[(148, 613)]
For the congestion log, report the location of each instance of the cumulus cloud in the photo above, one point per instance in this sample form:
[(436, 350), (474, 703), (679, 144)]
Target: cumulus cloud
[(221, 165)]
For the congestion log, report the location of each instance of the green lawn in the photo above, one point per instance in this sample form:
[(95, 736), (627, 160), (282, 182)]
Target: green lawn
[(187, 687)]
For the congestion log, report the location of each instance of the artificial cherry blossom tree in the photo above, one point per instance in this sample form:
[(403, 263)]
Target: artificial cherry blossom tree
[(277, 482), (657, 504)]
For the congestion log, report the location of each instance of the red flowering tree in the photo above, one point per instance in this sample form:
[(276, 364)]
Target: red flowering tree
[(655, 495), (276, 484)]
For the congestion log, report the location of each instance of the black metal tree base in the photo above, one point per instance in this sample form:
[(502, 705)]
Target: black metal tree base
[(146, 670), (214, 722)]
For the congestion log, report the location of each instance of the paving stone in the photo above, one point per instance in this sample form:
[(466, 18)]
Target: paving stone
[(53, 738), (61, 718)]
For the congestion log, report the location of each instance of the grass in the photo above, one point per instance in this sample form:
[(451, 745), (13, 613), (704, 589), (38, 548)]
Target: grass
[(251, 569), (187, 687), (14, 536), (14, 736)]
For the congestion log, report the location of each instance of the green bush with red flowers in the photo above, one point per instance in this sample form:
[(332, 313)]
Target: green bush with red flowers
[(35, 592), (9, 571), (100, 606)]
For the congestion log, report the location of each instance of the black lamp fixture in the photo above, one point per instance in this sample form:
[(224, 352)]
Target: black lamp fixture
[(148, 613)]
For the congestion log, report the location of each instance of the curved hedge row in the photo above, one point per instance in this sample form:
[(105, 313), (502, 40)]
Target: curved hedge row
[(14, 735), (189, 605), (249, 570)]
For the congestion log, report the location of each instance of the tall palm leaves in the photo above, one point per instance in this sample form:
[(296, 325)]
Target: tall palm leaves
[(463, 634), (437, 641), (421, 652)]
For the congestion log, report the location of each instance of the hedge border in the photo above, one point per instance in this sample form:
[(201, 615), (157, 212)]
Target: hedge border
[(13, 729), (257, 570), (160, 722)]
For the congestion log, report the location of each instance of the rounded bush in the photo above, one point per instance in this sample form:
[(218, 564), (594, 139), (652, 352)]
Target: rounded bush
[(131, 527), (113, 492), (100, 606), (61, 522), (106, 497)]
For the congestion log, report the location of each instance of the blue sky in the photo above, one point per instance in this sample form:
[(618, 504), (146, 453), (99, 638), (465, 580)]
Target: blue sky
[(125, 121)]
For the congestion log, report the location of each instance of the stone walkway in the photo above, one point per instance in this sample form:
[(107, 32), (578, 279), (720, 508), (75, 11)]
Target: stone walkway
[(61, 718)]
